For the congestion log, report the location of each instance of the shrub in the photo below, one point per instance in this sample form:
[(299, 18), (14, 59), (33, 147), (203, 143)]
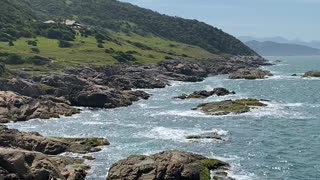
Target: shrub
[(39, 60), (11, 43), (123, 57), (64, 44), (109, 51), (12, 59), (100, 45), (35, 50), (32, 43)]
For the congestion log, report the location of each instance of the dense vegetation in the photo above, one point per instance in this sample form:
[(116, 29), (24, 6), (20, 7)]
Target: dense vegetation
[(113, 32), (118, 16)]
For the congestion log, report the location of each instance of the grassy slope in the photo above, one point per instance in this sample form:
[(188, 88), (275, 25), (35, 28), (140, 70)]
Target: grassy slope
[(85, 51)]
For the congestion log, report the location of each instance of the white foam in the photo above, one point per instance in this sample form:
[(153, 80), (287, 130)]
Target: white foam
[(175, 134), (187, 113), (279, 110)]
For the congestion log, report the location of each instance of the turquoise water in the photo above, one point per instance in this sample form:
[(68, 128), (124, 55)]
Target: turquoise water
[(280, 141)]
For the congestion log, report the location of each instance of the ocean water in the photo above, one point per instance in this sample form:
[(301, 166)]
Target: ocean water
[(280, 141)]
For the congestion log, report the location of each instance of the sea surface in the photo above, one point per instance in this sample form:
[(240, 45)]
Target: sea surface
[(280, 141)]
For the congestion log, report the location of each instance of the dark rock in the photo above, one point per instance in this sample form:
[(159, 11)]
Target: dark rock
[(15, 107), (312, 74), (12, 138), (107, 98), (211, 135), (22, 87), (230, 106), (250, 73), (186, 68), (165, 166), (294, 75), (205, 94), (18, 164)]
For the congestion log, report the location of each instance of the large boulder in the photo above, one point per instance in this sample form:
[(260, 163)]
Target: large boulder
[(230, 106), (166, 165), (22, 87), (15, 107), (107, 98), (250, 73), (312, 74), (12, 138), (25, 165), (205, 94), (184, 67)]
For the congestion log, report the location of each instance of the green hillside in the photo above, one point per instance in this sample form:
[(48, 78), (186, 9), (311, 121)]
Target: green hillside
[(112, 32), (116, 15)]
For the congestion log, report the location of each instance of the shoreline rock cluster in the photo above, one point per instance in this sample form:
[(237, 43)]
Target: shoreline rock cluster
[(107, 87), (32, 156), (167, 165), (204, 94), (230, 106)]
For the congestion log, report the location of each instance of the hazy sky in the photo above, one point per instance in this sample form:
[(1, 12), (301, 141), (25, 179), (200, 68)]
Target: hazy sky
[(260, 18)]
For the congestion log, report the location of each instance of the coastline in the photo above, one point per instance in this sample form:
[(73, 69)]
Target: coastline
[(174, 70)]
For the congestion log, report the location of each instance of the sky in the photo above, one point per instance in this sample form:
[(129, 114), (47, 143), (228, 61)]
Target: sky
[(290, 19)]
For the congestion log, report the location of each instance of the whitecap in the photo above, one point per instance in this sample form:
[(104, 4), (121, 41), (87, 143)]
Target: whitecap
[(176, 134), (184, 113)]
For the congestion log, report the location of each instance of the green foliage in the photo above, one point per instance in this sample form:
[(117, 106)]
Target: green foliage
[(10, 43), (124, 17), (38, 60), (100, 45), (35, 50), (7, 58), (123, 57), (64, 44), (32, 43)]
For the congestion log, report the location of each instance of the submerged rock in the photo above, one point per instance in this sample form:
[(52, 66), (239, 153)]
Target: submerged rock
[(165, 166), (18, 164), (250, 73), (15, 107), (312, 74), (205, 94), (12, 138), (210, 135), (230, 106)]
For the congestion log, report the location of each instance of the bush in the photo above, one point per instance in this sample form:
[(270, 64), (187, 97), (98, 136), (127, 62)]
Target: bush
[(39, 60), (64, 44), (109, 51), (11, 43), (123, 57), (100, 45), (35, 50), (12, 59), (32, 43)]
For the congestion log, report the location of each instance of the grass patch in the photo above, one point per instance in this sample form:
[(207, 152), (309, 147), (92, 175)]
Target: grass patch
[(85, 51)]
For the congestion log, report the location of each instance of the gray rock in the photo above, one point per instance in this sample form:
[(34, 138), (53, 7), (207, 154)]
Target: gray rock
[(166, 165)]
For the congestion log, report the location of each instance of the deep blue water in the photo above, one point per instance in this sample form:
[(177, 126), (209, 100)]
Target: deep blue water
[(281, 141)]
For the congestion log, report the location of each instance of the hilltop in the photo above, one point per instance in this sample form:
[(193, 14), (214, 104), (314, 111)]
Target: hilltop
[(113, 32)]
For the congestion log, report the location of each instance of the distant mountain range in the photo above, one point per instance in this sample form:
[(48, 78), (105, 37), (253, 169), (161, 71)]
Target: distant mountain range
[(269, 48), (279, 39)]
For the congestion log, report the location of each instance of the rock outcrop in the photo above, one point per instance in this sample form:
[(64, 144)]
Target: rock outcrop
[(230, 106), (250, 73), (312, 74), (12, 138), (207, 136), (15, 107), (18, 164), (165, 166), (205, 94)]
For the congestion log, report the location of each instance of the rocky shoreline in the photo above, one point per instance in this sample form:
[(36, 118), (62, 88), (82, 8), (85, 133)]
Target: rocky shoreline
[(53, 95)]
